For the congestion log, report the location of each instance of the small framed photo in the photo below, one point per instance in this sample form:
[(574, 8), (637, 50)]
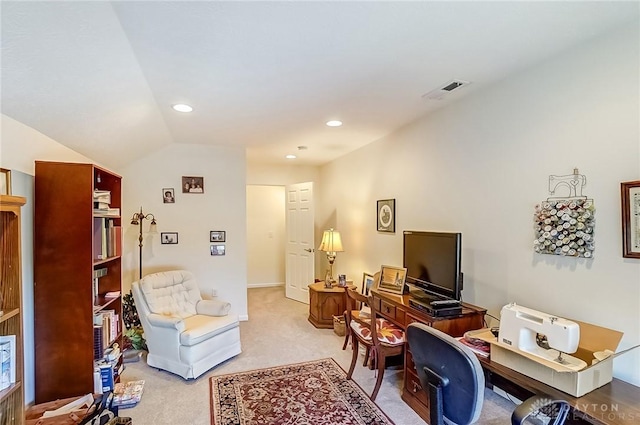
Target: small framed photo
[(5, 181), (630, 195), (386, 215), (168, 195), (217, 249), (191, 184), (217, 236), (392, 279), (169, 238), (367, 283)]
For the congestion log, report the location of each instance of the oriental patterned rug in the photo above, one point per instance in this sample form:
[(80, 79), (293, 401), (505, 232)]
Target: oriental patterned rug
[(310, 393)]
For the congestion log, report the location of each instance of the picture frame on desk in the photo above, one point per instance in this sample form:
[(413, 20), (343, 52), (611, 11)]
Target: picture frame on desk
[(392, 279), (630, 197), (5, 181), (367, 283)]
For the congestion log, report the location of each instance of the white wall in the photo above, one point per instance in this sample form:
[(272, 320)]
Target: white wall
[(265, 235), (20, 146), (222, 206), (479, 166)]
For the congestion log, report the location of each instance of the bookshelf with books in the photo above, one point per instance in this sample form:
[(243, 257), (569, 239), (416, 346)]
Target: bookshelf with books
[(78, 275), (11, 339)]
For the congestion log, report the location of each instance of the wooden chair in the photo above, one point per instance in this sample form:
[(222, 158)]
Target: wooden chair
[(380, 337)]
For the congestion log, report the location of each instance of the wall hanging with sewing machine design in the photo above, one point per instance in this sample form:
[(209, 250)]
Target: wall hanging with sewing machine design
[(564, 224)]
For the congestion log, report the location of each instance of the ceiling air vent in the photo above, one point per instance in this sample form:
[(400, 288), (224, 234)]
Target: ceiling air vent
[(439, 94)]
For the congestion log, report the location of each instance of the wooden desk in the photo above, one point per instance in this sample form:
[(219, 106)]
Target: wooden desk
[(396, 308), (617, 403)]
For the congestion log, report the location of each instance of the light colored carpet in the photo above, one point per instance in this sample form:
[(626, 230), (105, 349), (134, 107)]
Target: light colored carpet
[(277, 333)]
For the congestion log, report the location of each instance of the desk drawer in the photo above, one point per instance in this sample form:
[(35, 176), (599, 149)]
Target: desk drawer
[(414, 387), (388, 309)]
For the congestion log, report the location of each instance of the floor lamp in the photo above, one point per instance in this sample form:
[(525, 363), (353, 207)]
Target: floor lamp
[(137, 220), (331, 244)]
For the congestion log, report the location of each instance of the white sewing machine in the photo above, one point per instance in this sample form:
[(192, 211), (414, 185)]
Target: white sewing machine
[(541, 334)]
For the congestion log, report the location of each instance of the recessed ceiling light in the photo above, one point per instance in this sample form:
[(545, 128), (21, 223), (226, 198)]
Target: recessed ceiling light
[(290, 157), (181, 107), (334, 123)]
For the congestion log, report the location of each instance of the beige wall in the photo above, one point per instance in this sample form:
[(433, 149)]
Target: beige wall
[(265, 235), (222, 206), (479, 167)]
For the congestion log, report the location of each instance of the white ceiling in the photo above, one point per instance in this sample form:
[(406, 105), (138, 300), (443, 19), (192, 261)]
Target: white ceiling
[(100, 77)]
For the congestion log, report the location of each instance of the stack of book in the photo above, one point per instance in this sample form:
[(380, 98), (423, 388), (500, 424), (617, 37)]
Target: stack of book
[(101, 203), (107, 238), (127, 394)]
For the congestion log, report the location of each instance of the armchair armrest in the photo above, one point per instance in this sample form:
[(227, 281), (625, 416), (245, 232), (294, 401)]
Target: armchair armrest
[(213, 307), (166, 321), (555, 410)]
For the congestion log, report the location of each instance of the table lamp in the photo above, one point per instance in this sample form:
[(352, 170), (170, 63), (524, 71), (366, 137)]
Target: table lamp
[(331, 244)]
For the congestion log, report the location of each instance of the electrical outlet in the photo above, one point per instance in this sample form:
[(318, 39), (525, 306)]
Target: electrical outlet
[(214, 292)]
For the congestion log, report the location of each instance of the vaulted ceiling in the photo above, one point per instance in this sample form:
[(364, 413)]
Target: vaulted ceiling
[(100, 77)]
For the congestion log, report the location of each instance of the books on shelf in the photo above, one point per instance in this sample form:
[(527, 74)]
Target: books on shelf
[(107, 238), (112, 294), (127, 394), (102, 197), (7, 361), (109, 321)]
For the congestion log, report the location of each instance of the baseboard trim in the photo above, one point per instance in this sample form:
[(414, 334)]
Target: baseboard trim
[(264, 285), (243, 317)]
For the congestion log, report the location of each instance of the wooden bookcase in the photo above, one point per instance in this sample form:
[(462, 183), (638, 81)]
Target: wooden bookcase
[(65, 259), (12, 397)]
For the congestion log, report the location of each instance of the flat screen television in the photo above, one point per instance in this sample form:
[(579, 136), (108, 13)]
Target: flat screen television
[(433, 263)]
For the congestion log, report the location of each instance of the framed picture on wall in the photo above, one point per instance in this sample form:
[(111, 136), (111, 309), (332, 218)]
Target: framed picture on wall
[(217, 236), (217, 249), (168, 195), (169, 238), (630, 196), (191, 184), (386, 215)]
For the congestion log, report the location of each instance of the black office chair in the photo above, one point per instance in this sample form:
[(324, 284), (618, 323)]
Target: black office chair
[(452, 376)]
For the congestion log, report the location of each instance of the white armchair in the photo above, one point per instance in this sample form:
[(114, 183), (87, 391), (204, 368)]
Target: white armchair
[(185, 334)]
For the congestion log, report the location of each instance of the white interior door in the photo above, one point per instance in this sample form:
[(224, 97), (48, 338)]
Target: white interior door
[(300, 243)]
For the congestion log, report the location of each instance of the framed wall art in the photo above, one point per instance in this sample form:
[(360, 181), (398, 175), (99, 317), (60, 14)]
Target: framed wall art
[(217, 249), (630, 195), (169, 238), (168, 195), (217, 236), (386, 215), (191, 184), (392, 279)]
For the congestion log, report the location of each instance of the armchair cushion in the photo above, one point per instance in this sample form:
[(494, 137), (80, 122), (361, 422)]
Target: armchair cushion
[(213, 307), (199, 328), (174, 293)]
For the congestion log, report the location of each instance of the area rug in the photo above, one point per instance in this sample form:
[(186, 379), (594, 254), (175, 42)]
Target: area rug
[(310, 393)]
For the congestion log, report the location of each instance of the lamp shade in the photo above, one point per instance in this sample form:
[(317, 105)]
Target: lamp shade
[(331, 241)]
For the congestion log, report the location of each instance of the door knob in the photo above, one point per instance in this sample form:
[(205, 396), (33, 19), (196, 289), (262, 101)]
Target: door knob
[(309, 249)]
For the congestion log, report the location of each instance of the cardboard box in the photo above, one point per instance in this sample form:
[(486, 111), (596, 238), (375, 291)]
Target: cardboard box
[(593, 339)]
